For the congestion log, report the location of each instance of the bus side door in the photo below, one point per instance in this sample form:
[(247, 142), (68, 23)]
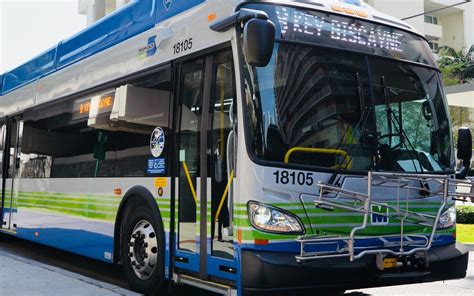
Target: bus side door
[(12, 155)]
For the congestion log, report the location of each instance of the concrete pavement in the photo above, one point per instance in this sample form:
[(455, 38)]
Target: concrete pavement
[(21, 276), (463, 287)]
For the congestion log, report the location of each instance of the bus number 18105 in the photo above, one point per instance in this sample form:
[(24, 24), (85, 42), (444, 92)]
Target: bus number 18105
[(293, 178)]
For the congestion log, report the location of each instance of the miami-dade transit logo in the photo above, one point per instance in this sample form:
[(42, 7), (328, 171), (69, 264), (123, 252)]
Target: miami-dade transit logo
[(167, 4), (148, 50), (381, 219), (157, 142)]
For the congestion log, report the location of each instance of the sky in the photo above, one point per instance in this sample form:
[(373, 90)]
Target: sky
[(29, 27)]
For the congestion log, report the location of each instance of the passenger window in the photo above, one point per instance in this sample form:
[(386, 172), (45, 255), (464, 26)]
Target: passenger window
[(107, 134), (3, 133)]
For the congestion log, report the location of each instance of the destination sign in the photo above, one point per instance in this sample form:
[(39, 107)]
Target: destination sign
[(82, 107), (332, 30)]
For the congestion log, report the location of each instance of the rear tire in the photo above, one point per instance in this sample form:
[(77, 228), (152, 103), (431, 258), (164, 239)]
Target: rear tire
[(142, 249)]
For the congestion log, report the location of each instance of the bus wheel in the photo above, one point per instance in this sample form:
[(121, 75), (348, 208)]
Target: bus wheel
[(142, 250)]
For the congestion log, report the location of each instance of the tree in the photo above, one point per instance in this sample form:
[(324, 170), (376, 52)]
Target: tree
[(456, 64)]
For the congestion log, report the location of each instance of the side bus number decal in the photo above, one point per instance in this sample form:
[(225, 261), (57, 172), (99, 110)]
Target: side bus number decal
[(183, 46), (293, 178)]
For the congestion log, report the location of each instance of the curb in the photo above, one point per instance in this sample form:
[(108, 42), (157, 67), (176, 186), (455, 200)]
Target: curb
[(87, 280), (470, 247)]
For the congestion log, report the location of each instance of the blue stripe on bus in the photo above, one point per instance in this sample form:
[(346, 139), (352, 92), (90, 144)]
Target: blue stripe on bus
[(214, 268), (133, 19), (295, 247), (192, 259), (176, 7), (81, 242), (1, 84), (7, 210), (125, 23), (37, 67)]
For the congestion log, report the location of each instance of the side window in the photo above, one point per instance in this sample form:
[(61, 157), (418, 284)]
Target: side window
[(141, 116), (15, 135), (107, 134), (61, 143), (3, 133)]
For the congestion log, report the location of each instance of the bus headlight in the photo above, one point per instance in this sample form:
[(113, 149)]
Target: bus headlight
[(447, 219), (271, 219)]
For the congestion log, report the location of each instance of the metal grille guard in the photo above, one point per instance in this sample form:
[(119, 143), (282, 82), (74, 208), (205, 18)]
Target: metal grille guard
[(397, 245)]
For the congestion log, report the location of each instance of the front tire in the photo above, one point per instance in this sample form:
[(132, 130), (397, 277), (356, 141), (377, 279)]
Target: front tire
[(142, 249)]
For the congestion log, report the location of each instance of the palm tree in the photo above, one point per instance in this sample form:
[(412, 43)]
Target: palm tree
[(457, 64)]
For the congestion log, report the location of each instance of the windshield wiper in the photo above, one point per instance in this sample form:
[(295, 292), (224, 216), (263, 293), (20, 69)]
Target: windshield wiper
[(360, 126), (398, 126)]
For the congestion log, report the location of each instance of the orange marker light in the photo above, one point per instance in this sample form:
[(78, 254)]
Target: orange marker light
[(117, 191), (349, 11), (337, 8), (261, 242), (211, 17), (362, 14)]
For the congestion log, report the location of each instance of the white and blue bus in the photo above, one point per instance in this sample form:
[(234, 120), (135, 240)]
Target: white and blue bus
[(243, 147)]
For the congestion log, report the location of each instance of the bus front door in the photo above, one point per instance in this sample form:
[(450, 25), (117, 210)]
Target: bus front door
[(221, 169), (204, 167)]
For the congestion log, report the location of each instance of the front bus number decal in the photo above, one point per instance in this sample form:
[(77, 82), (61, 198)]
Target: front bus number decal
[(183, 46), (294, 178)]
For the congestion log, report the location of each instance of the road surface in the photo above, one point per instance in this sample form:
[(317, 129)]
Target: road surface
[(40, 270)]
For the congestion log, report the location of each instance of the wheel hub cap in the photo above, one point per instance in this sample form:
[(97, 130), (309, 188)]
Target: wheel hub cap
[(143, 249)]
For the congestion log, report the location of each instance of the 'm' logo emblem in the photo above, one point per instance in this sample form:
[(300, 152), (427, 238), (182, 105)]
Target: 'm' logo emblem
[(375, 218), (167, 4)]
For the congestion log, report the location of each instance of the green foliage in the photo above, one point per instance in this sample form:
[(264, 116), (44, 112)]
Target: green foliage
[(414, 125), (448, 79), (456, 65), (465, 214), (465, 233)]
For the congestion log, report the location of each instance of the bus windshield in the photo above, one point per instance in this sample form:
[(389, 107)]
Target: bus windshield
[(324, 106)]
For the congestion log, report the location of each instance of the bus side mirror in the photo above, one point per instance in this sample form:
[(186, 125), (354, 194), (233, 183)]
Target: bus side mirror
[(464, 151), (259, 40), (427, 112)]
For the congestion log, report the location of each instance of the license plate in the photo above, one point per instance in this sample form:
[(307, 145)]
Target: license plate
[(390, 262)]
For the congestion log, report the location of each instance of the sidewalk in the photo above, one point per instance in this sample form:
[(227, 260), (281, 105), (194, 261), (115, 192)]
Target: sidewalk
[(21, 276)]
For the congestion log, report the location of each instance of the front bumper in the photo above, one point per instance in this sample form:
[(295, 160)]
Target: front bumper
[(279, 273)]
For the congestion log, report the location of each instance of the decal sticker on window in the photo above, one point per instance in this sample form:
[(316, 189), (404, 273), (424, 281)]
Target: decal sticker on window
[(160, 182), (157, 142), (148, 50), (156, 166)]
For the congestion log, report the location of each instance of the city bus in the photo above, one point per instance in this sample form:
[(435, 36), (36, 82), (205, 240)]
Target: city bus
[(241, 147)]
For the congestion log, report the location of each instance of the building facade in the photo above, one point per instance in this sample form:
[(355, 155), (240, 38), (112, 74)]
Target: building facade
[(96, 9), (441, 23)]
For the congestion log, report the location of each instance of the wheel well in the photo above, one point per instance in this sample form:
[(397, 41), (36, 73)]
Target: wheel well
[(137, 194)]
